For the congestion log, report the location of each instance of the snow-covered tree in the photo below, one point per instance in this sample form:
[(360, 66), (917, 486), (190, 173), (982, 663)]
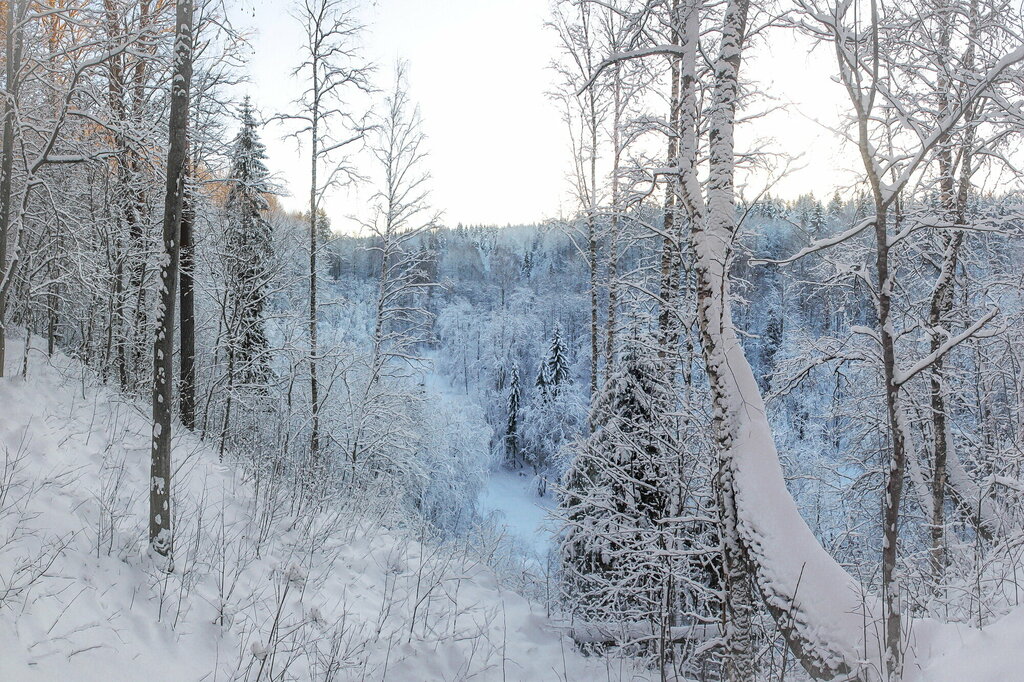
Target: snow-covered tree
[(554, 370), (402, 216), (333, 68), (512, 407), (835, 206), (554, 415), (248, 251), (617, 490), (636, 549)]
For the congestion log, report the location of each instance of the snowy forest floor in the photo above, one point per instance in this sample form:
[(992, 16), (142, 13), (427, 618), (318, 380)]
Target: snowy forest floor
[(257, 592), (510, 498), (260, 593)]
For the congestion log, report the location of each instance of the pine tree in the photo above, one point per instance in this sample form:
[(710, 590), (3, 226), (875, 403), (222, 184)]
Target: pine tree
[(512, 422), (248, 250)]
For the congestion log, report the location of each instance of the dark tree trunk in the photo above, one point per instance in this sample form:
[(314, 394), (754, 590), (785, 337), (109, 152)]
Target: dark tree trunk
[(187, 388), (160, 535), (896, 467), (314, 388), (671, 256)]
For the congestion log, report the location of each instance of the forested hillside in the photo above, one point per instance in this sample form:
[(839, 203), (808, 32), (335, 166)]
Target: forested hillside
[(695, 426)]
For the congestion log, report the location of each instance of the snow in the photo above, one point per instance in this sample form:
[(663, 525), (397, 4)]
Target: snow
[(510, 500), (81, 598), (961, 653)]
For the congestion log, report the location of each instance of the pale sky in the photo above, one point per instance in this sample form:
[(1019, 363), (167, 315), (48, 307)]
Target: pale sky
[(499, 151)]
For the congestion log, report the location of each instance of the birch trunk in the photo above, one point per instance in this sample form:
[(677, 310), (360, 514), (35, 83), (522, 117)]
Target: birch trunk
[(711, 240)]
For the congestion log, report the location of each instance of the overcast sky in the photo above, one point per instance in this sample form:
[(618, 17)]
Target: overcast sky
[(479, 70)]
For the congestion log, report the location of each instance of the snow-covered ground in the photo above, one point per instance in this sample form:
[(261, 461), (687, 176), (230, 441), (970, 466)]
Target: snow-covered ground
[(964, 654), (260, 593), (257, 593), (510, 500)]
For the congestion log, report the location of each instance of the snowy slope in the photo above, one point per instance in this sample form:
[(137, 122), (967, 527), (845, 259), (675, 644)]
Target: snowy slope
[(256, 593)]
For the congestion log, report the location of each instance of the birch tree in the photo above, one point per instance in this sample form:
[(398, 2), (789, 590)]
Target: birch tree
[(584, 114), (402, 215)]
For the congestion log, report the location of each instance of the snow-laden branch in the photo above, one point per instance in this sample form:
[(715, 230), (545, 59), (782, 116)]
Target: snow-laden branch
[(901, 376), (666, 50), (818, 244)]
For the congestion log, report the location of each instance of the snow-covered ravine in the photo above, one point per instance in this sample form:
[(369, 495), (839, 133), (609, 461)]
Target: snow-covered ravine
[(510, 500), (343, 595)]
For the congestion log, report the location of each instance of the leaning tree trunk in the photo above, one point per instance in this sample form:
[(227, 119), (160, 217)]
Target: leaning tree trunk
[(160, 536), (819, 608), (715, 323)]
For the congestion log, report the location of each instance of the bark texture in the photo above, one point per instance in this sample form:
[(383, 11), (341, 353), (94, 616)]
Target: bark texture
[(160, 530)]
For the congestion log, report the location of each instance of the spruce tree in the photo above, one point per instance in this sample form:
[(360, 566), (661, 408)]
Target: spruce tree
[(512, 423), (615, 495), (324, 234), (553, 418), (619, 555), (817, 222), (835, 206), (541, 383), (556, 366), (249, 248)]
